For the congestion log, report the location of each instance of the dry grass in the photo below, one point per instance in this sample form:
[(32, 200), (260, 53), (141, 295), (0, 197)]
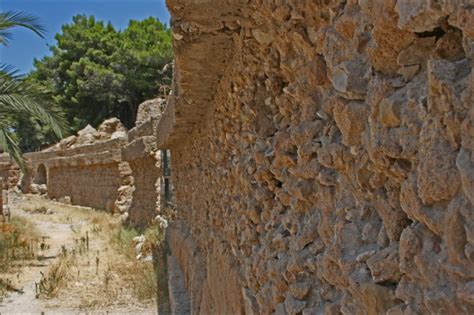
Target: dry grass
[(18, 242), (141, 275), (111, 276), (101, 270), (18, 245), (55, 278), (62, 213)]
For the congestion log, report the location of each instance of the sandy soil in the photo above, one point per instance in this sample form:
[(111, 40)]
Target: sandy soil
[(97, 281)]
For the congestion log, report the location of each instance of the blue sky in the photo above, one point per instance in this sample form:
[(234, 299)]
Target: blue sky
[(25, 46)]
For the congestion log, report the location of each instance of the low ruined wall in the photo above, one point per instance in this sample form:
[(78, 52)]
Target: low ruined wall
[(145, 199), (9, 172), (5, 171), (144, 159), (93, 186), (89, 175), (4, 166), (332, 157)]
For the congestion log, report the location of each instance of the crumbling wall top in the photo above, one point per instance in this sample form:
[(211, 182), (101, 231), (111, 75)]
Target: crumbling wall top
[(202, 33)]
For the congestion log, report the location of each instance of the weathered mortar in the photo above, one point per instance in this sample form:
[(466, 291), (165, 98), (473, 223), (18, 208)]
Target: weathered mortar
[(329, 152)]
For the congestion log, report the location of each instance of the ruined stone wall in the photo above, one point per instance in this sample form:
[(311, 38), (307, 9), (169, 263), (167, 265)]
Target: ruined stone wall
[(145, 199), (87, 168), (333, 170), (5, 171), (93, 186), (9, 172), (144, 159), (90, 175)]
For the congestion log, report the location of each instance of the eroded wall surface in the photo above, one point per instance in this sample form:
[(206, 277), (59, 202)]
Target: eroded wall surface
[(9, 172), (94, 186), (90, 175), (144, 159), (145, 199), (331, 166)]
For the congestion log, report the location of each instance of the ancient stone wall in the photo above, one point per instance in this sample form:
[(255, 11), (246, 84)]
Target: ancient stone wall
[(93, 186), (326, 162), (88, 174), (146, 171), (145, 201), (9, 172), (144, 159), (5, 166)]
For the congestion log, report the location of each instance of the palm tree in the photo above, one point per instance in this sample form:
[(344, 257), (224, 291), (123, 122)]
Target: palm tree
[(18, 97)]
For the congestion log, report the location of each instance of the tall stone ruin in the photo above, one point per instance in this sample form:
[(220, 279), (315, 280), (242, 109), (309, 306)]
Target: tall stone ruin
[(323, 156)]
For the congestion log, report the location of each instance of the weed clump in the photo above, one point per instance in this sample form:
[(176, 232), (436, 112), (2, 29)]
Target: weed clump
[(139, 246), (18, 242), (56, 277)]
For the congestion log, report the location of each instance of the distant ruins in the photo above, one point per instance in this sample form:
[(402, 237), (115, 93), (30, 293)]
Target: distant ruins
[(322, 157), (108, 168)]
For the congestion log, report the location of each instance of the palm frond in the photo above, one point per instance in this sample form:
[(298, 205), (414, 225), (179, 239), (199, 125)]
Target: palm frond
[(19, 97), (10, 19), (8, 144), (9, 71)]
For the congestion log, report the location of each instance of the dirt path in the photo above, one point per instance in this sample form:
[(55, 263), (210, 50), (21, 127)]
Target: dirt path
[(96, 279)]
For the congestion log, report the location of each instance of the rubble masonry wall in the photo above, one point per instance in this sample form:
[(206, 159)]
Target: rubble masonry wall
[(330, 168)]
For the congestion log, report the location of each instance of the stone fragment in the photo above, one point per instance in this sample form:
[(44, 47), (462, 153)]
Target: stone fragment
[(250, 303), (150, 109), (412, 205), (65, 200), (118, 134), (332, 309), (350, 78), (294, 306), (262, 37), (465, 158), (390, 112), (263, 193), (377, 299), (417, 53), (280, 309), (449, 46), (365, 255), (446, 83), (384, 265), (34, 189), (387, 41), (465, 165), (327, 177), (409, 72), (396, 310), (109, 127), (418, 15), (437, 176), (466, 293), (351, 119), (300, 290), (86, 136), (42, 189)]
